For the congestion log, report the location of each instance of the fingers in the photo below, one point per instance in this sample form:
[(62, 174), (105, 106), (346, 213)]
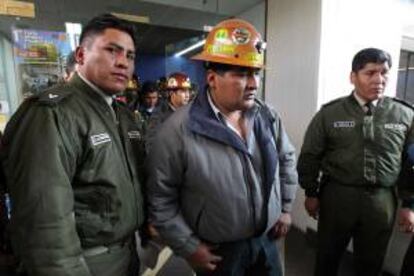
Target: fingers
[(281, 230), (212, 262), (211, 266), (313, 214), (406, 227)]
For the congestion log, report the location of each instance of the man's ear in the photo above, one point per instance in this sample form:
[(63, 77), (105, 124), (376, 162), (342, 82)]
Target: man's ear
[(352, 77), (80, 55), (211, 78)]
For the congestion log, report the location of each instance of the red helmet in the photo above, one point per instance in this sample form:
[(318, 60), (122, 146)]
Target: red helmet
[(178, 80)]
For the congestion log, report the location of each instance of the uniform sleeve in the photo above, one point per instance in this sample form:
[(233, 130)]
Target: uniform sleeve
[(406, 181), (310, 158), (166, 170), (287, 167), (39, 167)]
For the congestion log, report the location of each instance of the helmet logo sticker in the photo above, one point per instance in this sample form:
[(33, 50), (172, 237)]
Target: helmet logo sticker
[(186, 83), (172, 82), (221, 49), (221, 35), (240, 36)]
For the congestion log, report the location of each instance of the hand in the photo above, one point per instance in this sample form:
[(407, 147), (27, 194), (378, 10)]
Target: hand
[(153, 233), (203, 258), (312, 206), (282, 226), (406, 220)]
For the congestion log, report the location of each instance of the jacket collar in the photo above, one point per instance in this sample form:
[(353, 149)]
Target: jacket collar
[(87, 90), (203, 121)]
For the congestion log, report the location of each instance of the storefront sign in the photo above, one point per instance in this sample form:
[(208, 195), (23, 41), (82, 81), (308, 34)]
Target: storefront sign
[(17, 8)]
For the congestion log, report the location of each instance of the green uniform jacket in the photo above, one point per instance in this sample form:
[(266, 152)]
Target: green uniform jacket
[(72, 174), (350, 148)]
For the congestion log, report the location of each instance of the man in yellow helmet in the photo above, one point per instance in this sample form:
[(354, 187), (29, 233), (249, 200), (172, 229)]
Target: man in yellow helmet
[(222, 177)]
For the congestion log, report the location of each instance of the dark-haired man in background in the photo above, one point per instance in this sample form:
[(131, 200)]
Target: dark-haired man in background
[(71, 166), (70, 67), (349, 165)]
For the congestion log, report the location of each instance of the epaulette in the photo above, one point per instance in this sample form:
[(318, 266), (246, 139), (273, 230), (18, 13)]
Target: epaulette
[(54, 95), (403, 102), (333, 101)]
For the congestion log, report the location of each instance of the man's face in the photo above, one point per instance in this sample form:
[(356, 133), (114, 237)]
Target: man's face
[(151, 99), (234, 90), (180, 97), (107, 60), (370, 81)]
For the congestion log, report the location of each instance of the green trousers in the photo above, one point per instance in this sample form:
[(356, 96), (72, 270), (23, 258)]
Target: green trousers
[(364, 214)]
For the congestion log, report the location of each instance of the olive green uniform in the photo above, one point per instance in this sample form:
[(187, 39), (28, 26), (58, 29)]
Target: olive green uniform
[(72, 170), (352, 161)]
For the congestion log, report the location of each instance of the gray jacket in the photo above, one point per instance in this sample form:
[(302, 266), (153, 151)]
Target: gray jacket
[(202, 180)]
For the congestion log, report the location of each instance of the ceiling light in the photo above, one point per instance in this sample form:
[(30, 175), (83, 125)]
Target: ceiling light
[(190, 48), (131, 17)]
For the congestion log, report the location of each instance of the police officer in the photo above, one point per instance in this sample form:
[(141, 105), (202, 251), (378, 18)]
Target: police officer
[(222, 175), (349, 164), (178, 90), (71, 161)]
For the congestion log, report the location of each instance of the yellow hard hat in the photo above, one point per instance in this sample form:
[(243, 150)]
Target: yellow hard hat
[(235, 42)]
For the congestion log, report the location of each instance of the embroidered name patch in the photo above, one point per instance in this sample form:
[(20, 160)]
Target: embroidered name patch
[(100, 139), (344, 124), (395, 126), (134, 134)]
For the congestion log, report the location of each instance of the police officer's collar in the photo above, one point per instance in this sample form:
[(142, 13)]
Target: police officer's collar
[(361, 101), (107, 98)]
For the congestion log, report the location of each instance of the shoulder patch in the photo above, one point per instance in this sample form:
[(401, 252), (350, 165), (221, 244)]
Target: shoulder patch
[(54, 95), (334, 101), (403, 102)]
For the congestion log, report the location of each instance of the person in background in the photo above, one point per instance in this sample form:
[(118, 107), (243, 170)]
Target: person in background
[(70, 67), (178, 90), (349, 165), (71, 157), (222, 175), (149, 99)]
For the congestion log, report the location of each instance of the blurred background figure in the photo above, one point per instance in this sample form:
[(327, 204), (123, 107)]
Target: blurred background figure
[(70, 67)]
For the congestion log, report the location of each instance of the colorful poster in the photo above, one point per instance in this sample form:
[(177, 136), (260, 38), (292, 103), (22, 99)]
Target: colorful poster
[(40, 57)]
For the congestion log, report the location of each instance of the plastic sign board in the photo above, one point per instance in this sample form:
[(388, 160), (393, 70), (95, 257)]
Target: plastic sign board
[(17, 8)]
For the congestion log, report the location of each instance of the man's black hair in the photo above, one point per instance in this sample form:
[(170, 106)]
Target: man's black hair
[(100, 23), (149, 87), (370, 55)]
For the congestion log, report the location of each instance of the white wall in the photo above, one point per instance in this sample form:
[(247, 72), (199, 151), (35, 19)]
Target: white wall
[(256, 16), (292, 61), (347, 27)]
